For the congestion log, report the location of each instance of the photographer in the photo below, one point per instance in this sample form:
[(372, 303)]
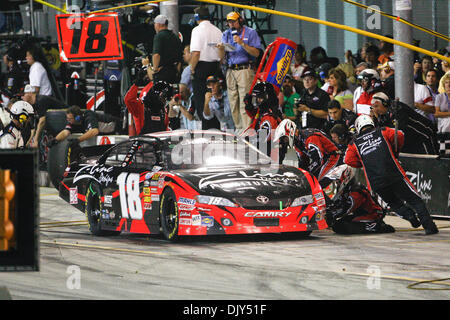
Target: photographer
[(312, 105), (420, 132), (182, 111), (217, 104)]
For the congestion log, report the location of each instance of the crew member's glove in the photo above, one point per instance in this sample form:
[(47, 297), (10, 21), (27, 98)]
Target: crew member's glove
[(52, 143), (248, 102), (73, 142)]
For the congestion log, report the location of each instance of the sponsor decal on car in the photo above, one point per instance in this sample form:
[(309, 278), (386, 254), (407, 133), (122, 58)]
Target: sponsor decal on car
[(155, 197), (207, 221), (94, 172), (186, 207), (147, 206), (73, 195), (108, 201), (185, 222), (185, 214), (187, 201), (147, 199), (196, 220), (146, 191), (267, 214)]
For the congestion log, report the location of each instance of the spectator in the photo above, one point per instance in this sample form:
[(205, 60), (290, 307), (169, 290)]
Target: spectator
[(240, 63), (11, 135), (338, 88), (357, 92), (372, 54), (386, 50), (298, 65), (205, 59), (217, 104), (189, 117), (431, 81), (167, 52), (14, 77), (421, 68), (420, 132), (384, 174), (370, 84), (40, 105), (363, 54), (387, 76), (313, 102), (38, 75), (338, 115), (287, 98), (423, 101), (318, 56), (442, 106), (446, 69), (186, 74)]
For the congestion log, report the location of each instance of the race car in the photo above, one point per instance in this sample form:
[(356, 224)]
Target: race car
[(186, 183)]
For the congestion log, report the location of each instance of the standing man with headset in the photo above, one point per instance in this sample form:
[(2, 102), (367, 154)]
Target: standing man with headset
[(205, 58), (240, 64)]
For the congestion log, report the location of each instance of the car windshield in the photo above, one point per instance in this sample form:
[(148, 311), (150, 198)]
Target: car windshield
[(192, 151)]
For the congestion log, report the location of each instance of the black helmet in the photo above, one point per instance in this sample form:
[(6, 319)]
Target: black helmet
[(162, 89), (264, 96)]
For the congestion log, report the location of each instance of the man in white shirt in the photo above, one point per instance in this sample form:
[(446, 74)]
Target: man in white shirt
[(205, 58), (423, 101), (38, 75)]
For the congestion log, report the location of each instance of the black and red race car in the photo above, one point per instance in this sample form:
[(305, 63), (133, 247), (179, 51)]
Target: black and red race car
[(185, 183)]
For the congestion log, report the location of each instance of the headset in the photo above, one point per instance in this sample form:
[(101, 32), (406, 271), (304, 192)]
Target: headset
[(233, 15), (384, 102)]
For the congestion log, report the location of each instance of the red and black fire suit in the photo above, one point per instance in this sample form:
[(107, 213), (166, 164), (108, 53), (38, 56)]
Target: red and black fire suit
[(373, 151), (263, 123), (316, 152), (361, 214), (149, 116)]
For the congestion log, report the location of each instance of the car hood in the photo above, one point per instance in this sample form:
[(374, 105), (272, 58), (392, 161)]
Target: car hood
[(269, 187)]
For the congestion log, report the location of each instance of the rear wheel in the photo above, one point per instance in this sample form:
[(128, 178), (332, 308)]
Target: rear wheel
[(169, 215), (93, 210)]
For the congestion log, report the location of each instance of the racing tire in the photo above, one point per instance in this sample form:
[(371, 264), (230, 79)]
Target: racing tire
[(169, 215), (93, 211), (59, 157), (57, 162)]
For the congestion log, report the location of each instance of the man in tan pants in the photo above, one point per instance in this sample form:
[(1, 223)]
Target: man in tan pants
[(240, 63)]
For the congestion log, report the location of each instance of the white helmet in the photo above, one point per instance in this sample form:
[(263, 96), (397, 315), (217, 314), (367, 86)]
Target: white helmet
[(22, 107), (286, 128), (369, 74), (362, 121)]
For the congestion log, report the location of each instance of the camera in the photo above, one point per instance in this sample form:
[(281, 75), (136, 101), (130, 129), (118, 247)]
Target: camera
[(208, 90)]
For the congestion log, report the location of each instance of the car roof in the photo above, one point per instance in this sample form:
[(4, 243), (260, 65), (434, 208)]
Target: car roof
[(163, 134)]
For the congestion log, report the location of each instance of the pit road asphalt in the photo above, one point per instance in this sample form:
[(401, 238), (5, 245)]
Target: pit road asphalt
[(402, 265)]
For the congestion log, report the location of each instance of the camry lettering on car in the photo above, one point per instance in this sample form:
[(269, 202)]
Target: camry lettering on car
[(267, 214)]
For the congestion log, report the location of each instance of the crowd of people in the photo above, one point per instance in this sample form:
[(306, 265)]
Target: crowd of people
[(208, 85)]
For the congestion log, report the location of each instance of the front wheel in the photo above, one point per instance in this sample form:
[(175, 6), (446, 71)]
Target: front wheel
[(93, 211), (169, 215)]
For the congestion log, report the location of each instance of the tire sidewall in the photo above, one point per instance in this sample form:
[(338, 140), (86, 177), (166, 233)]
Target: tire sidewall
[(94, 227), (168, 196)]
